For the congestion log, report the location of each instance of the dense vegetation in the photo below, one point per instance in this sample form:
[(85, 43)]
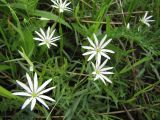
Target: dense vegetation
[(135, 89)]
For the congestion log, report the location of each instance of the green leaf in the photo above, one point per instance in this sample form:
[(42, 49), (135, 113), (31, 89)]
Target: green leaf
[(5, 93), (4, 67)]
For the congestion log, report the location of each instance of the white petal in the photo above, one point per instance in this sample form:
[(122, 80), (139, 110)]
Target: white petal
[(54, 2), (42, 102), (106, 78), (91, 56), (102, 41), (94, 73), (67, 4), (35, 82), (40, 35), (43, 33), (55, 38), (24, 86), (21, 93), (150, 20), (145, 14), (39, 39), (33, 103), (97, 76), (148, 17), (103, 64), (88, 53), (46, 90), (102, 79), (105, 55), (44, 85), (48, 32), (26, 103), (98, 60), (46, 98), (42, 43), (51, 35), (91, 42), (29, 81), (88, 47), (95, 39), (54, 6), (105, 69), (53, 44), (106, 43), (107, 73), (106, 50), (147, 24)]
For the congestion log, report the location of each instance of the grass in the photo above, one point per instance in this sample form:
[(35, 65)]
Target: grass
[(134, 93)]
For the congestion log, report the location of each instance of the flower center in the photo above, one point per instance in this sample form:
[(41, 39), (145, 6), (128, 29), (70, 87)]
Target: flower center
[(97, 71), (47, 41), (98, 50), (34, 94)]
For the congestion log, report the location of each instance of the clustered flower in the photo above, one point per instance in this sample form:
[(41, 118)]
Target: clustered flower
[(97, 49), (48, 38)]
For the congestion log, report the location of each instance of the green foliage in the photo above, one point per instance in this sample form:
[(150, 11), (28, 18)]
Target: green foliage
[(134, 93)]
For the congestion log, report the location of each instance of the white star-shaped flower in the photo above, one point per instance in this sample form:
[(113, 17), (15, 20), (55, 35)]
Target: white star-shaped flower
[(62, 6), (100, 72), (46, 38), (34, 92), (145, 20), (97, 49)]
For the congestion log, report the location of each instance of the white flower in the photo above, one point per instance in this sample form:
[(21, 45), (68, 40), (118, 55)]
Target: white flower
[(100, 72), (97, 49), (146, 20), (128, 26), (62, 6), (46, 38), (34, 92), (44, 19)]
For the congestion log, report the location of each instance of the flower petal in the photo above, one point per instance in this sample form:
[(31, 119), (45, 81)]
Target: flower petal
[(102, 41), (43, 33), (91, 42), (106, 78), (107, 73), (91, 56), (21, 94), (105, 55), (29, 81), (106, 43), (46, 98), (48, 32), (24, 86), (35, 82), (38, 39), (40, 35), (26, 103), (89, 52), (95, 39), (103, 64), (42, 102), (44, 85), (105, 69), (46, 90), (33, 103), (88, 47), (106, 50)]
